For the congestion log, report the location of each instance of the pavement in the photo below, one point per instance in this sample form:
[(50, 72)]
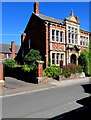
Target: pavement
[(15, 87)]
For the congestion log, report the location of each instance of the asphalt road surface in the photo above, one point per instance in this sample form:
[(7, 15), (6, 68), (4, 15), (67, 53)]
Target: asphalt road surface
[(46, 104)]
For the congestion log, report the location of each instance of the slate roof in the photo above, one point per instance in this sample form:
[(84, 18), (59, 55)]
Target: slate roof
[(6, 48), (47, 18)]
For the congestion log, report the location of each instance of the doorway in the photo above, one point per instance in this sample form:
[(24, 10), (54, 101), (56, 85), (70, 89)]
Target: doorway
[(73, 59)]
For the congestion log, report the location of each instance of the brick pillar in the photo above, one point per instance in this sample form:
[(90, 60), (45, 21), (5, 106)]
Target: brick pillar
[(40, 68), (22, 38), (2, 78), (36, 7), (1, 56), (13, 49)]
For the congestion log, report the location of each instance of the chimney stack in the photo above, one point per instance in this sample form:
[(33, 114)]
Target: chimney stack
[(36, 7), (22, 38), (76, 18), (13, 49)]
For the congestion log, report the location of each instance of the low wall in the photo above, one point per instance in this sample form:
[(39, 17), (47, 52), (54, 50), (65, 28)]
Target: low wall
[(73, 76)]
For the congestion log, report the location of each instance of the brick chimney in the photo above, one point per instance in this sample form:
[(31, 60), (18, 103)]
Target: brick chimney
[(77, 18), (13, 49), (22, 38), (36, 7)]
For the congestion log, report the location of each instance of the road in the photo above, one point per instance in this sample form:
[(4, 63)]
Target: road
[(44, 104)]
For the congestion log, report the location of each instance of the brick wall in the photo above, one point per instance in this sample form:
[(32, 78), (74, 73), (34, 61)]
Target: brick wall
[(58, 46), (37, 35), (1, 56)]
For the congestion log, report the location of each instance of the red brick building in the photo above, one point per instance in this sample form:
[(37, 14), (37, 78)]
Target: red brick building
[(8, 51), (55, 39)]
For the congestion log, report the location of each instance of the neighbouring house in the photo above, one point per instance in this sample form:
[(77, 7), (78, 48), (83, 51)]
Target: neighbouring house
[(57, 40), (8, 51)]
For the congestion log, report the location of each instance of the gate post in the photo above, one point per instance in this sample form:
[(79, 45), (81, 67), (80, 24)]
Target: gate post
[(40, 78), (2, 78)]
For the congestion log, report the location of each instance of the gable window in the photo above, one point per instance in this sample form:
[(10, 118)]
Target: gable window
[(69, 29), (76, 39), (69, 37), (81, 39), (72, 30), (53, 35), (86, 41), (75, 30), (72, 38)]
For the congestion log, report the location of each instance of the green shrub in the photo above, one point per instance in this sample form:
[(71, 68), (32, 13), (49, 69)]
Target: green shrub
[(10, 63), (52, 71), (71, 69), (32, 57), (28, 68), (83, 60), (79, 69), (66, 71)]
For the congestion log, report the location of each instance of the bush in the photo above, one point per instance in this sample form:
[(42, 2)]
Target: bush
[(52, 71), (10, 63), (32, 57), (28, 68), (79, 69), (83, 60), (71, 69), (66, 71)]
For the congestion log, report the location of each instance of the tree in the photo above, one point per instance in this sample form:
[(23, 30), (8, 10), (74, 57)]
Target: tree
[(90, 55), (32, 57), (83, 60)]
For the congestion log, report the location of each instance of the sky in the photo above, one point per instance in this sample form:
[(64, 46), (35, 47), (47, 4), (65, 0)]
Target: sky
[(15, 16)]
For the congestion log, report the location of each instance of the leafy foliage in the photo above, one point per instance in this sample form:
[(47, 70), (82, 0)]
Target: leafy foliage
[(52, 71), (32, 56), (71, 69), (84, 61), (10, 63), (28, 68), (30, 60)]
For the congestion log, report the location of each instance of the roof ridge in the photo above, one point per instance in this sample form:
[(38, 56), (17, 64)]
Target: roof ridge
[(8, 44), (51, 18)]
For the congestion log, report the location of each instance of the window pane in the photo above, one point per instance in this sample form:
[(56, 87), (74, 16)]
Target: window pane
[(57, 32), (53, 35), (69, 38), (69, 29), (53, 58), (72, 38), (57, 58), (61, 36), (72, 29)]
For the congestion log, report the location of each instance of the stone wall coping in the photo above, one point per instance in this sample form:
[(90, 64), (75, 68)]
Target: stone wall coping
[(41, 62)]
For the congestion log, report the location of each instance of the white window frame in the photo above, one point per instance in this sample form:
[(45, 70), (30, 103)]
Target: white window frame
[(60, 53)]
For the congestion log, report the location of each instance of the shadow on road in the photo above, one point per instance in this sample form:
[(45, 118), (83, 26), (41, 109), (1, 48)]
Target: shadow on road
[(82, 113)]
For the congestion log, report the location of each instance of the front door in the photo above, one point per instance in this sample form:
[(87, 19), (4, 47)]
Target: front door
[(73, 59)]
